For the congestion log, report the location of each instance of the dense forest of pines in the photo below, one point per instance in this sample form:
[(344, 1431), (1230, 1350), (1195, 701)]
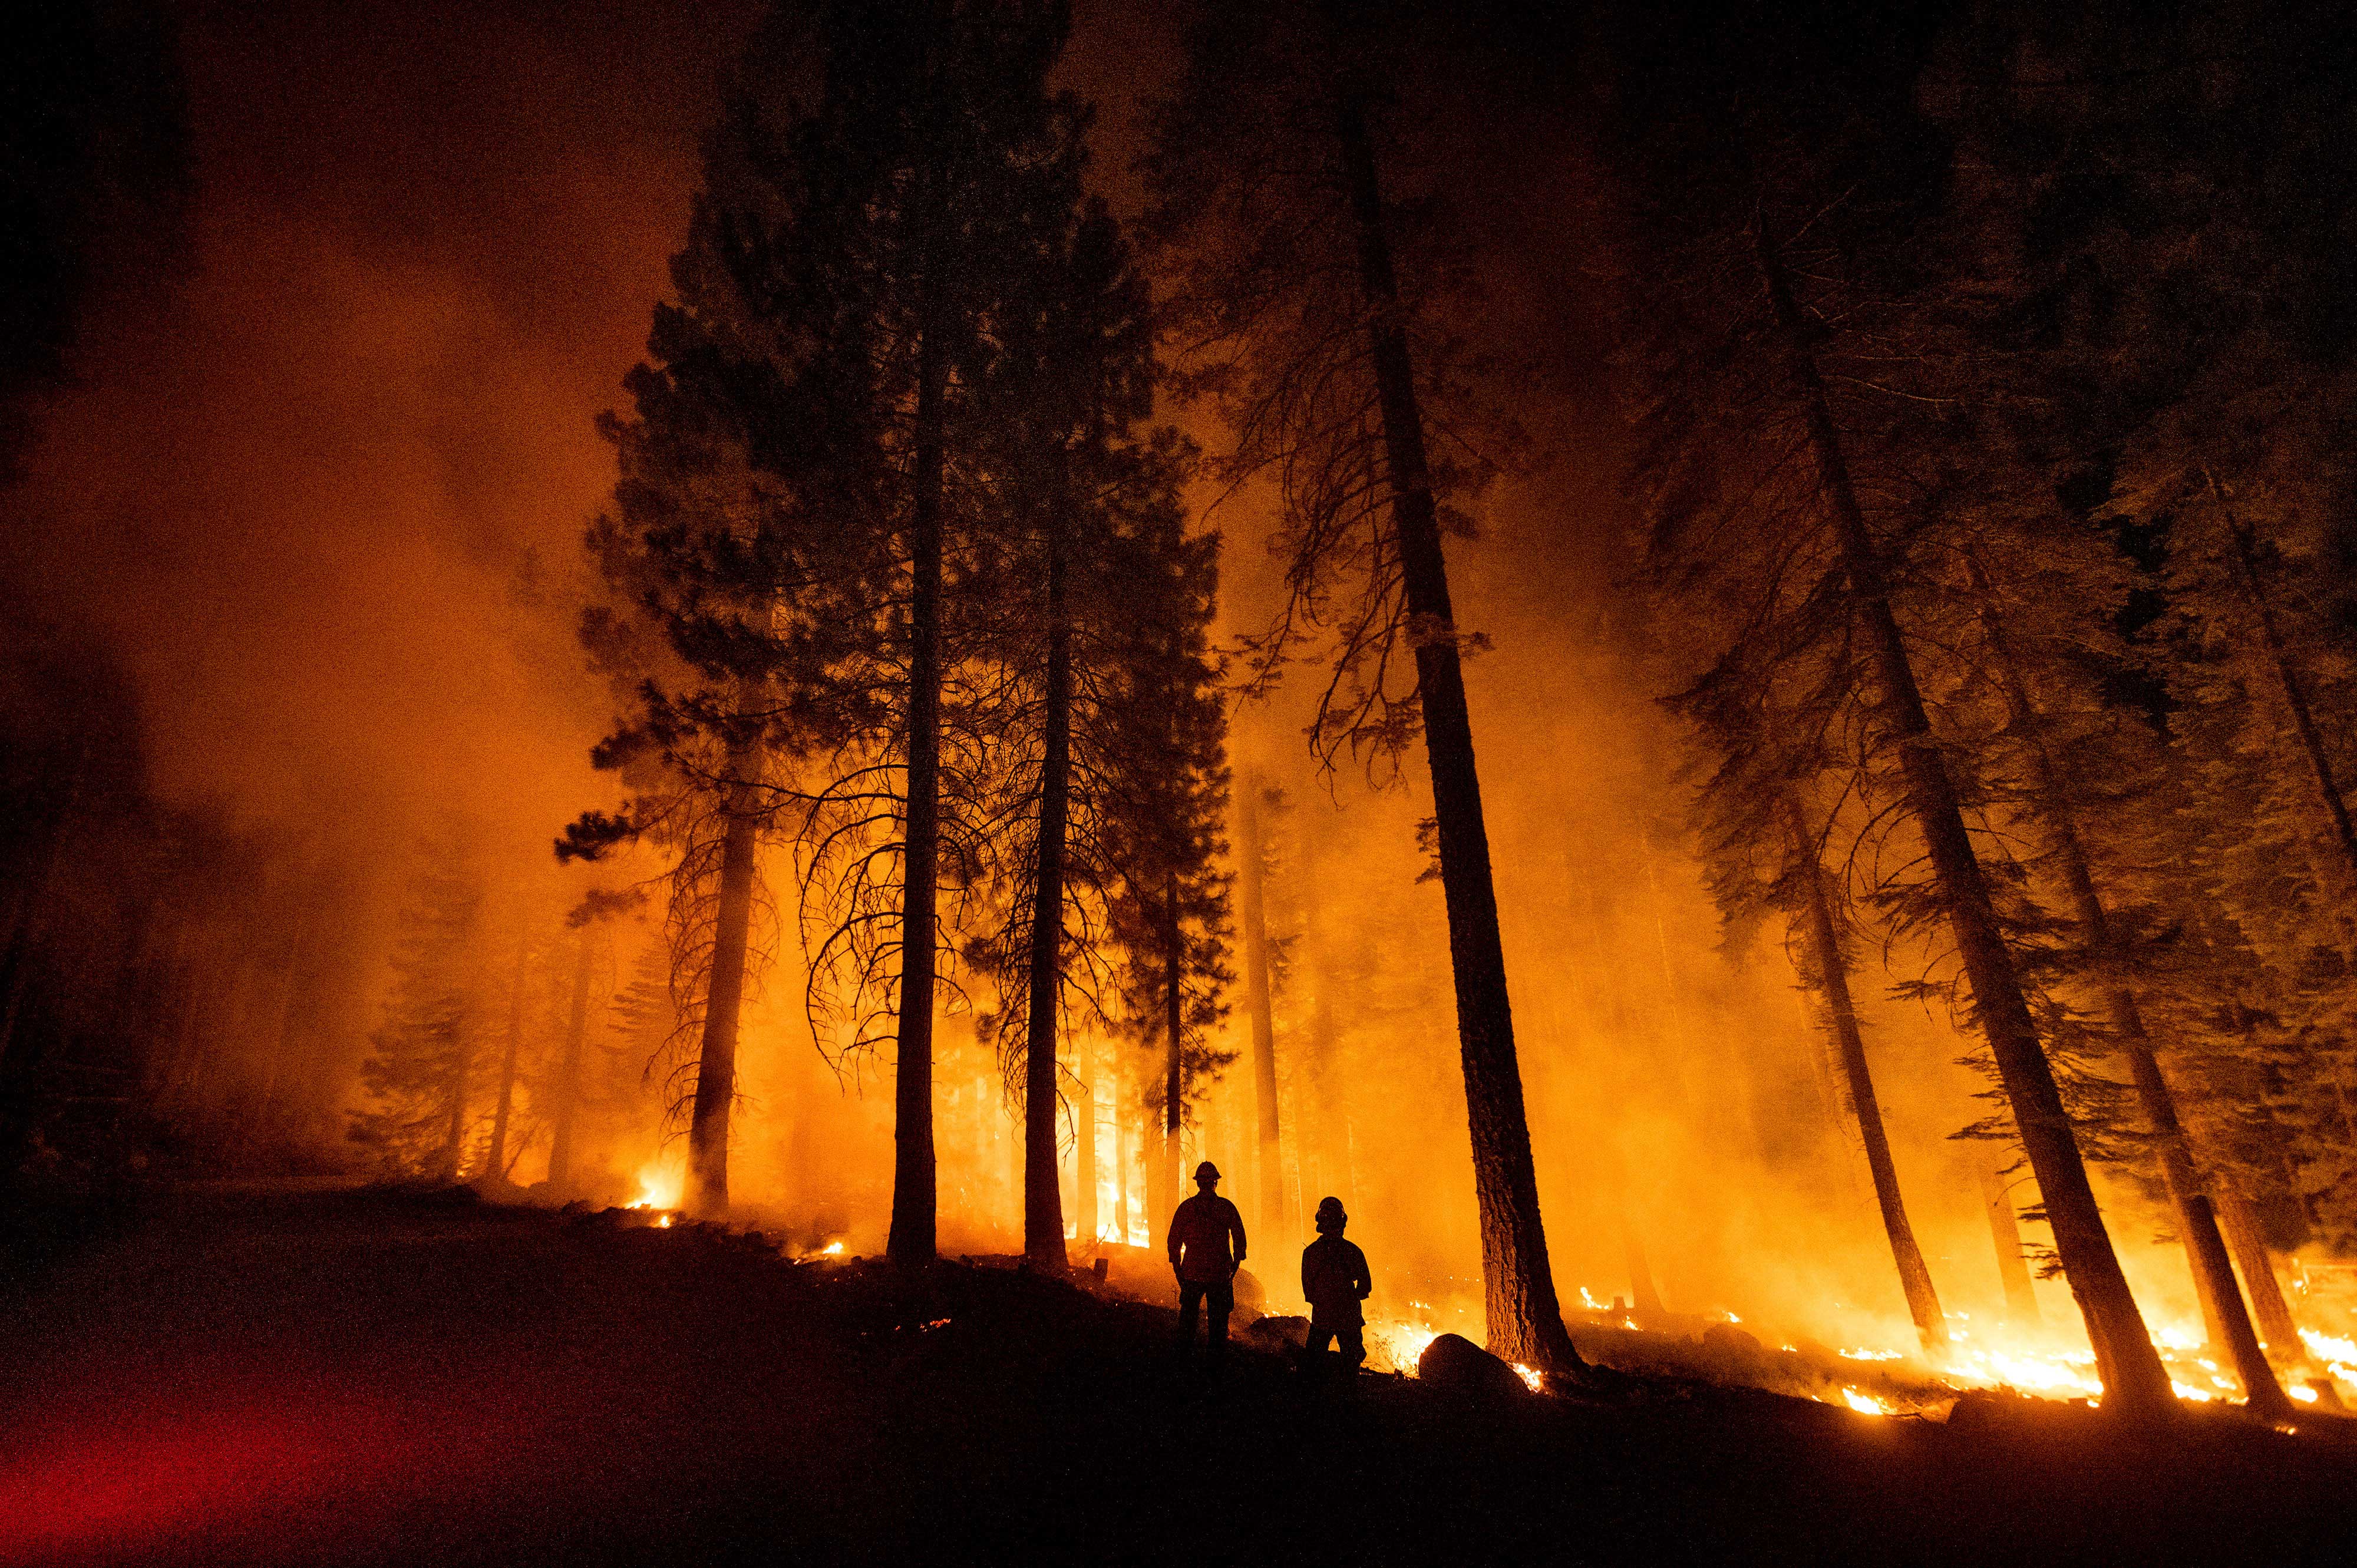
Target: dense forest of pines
[(1943, 411)]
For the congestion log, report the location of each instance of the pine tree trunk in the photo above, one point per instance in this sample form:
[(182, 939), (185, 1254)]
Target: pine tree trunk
[(2135, 1383), (1043, 1209), (568, 1071), (914, 1193), (1125, 1167), (2223, 1310), (1524, 1318), (2275, 1320), (716, 1058), (1833, 983), (1084, 1155), (496, 1167), (1250, 869), (2005, 1232), (1156, 1175), (1174, 1069)]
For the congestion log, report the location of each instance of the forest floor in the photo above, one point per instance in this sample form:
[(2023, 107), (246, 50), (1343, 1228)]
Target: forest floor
[(365, 1377)]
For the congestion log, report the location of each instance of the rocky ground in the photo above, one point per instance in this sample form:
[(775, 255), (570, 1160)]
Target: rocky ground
[(376, 1378)]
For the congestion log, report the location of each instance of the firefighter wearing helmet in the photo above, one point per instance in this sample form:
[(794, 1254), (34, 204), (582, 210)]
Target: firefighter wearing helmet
[(1334, 1280), (1207, 1248)]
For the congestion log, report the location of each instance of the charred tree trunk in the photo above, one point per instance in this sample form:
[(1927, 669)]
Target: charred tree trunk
[(1156, 1175), (1841, 1013), (2004, 1233), (1084, 1154), (1524, 1318), (1043, 1208), (915, 1199), (723, 999), (2213, 1274), (2135, 1383), (568, 1071), (1250, 867), (2276, 1327), (496, 1167), (1174, 1069)]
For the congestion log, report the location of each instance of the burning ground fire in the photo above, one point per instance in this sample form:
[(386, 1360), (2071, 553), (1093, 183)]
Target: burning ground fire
[(661, 1186), (2338, 1353), (1880, 1381)]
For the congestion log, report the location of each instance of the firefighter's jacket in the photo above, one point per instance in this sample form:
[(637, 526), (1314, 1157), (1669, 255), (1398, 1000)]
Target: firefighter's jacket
[(1334, 1278), (1199, 1235)]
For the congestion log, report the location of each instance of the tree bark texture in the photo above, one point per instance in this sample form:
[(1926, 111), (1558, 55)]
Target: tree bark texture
[(2135, 1383), (1043, 1209), (915, 1199), (723, 998), (1525, 1318), (568, 1070), (1849, 1043), (1250, 870)]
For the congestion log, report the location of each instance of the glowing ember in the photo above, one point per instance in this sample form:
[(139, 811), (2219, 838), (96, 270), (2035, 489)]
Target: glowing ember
[(1534, 1379), (2302, 1392), (1865, 1403)]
